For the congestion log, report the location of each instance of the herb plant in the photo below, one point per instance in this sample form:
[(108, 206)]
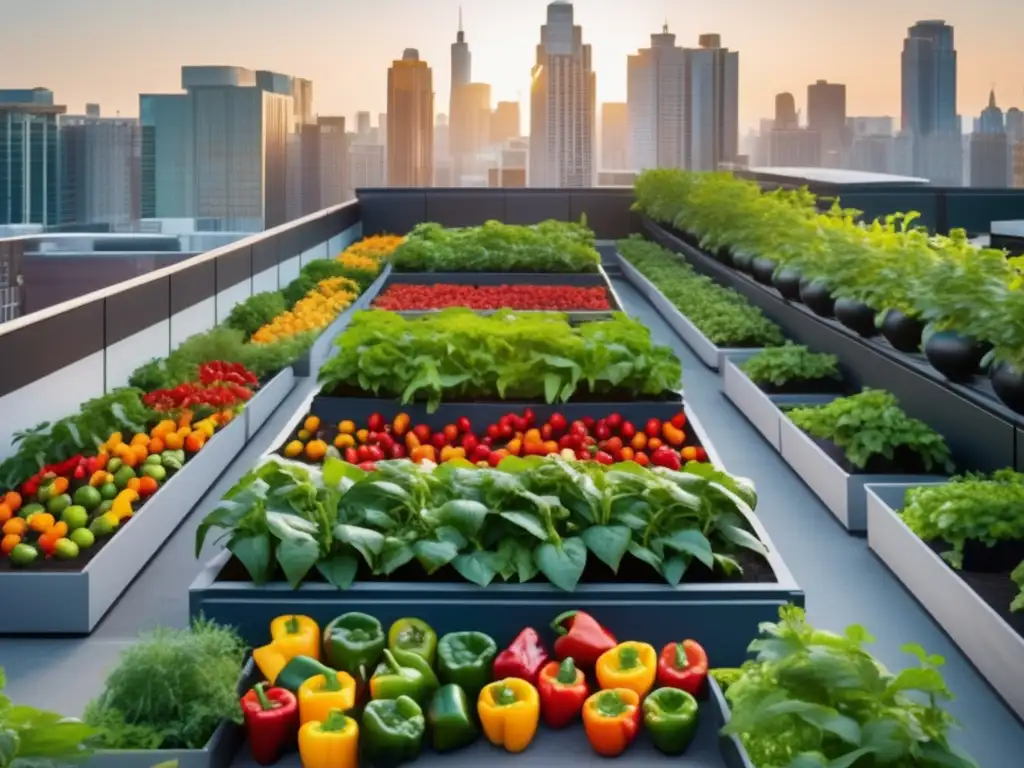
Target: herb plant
[(1018, 578), (252, 314), (457, 354), (869, 424), (721, 314), (791, 362), (551, 246), (171, 689), (815, 699), (986, 509), (529, 517)]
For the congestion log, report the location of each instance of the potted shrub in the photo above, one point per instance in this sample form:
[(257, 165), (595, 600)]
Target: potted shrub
[(1003, 324), (793, 369)]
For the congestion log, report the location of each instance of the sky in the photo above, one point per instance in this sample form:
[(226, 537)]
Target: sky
[(109, 51)]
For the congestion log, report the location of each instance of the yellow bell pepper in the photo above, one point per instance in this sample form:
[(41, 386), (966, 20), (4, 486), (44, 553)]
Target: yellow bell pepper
[(321, 694), (122, 506), (330, 743), (270, 660), (509, 713), (628, 665), (296, 636)]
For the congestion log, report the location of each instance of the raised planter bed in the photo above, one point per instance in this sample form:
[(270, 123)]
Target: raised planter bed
[(310, 362), (87, 594), (219, 752), (839, 488), (733, 753), (986, 634), (711, 355), (266, 400)]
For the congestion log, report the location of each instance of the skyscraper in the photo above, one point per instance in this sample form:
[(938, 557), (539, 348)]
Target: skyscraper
[(562, 104), (656, 97), (929, 79), (786, 117), (990, 149), (614, 136), (30, 178), (101, 169), (458, 105), (826, 114), (505, 122), (713, 102), (410, 122)]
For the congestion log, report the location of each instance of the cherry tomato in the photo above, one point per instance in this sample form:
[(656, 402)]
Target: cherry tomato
[(614, 421), (679, 420), (375, 423), (653, 428), (463, 425), (557, 422), (422, 432), (451, 433), (627, 431), (602, 457)]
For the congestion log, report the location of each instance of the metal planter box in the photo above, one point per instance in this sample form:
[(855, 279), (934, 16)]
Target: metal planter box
[(842, 492), (219, 752), (87, 595), (734, 754), (712, 356), (984, 637), (267, 399), (310, 362)]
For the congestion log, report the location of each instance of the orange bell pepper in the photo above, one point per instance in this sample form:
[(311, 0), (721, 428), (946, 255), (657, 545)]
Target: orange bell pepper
[(509, 713), (628, 665), (611, 719)]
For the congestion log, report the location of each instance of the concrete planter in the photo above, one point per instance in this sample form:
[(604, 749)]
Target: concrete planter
[(86, 595), (266, 400), (984, 637), (843, 493), (734, 754), (712, 356)]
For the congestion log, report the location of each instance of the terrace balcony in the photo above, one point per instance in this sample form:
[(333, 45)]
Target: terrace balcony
[(60, 357)]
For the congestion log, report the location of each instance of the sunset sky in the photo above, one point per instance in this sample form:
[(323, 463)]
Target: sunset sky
[(109, 51)]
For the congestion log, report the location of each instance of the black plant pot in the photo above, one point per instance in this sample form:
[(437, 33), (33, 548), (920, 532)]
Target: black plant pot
[(818, 298), (1009, 386), (724, 255), (788, 282), (902, 331), (954, 356), (857, 316), (742, 261), (763, 269)]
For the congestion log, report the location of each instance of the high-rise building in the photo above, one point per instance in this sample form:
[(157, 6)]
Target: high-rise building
[(657, 89), (713, 104), (869, 126), (505, 122), (410, 122), (786, 117), (218, 152), (929, 116), (562, 104), (459, 128), (826, 114), (471, 136), (1015, 123), (332, 156), (362, 124), (991, 162), (30, 169), (795, 148), (302, 101), (614, 136), (366, 167), (100, 158)]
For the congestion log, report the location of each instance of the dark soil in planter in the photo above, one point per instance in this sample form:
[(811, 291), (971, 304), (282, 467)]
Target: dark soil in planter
[(762, 269), (954, 356), (581, 396), (803, 387), (631, 571), (787, 282), (818, 298), (996, 589), (1001, 558), (902, 332), (904, 461), (857, 316), (1009, 386)]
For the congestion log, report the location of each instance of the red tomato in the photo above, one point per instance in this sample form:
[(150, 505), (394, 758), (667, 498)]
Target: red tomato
[(653, 428), (614, 421), (627, 431), (439, 440), (601, 431), (603, 458), (529, 417), (679, 420), (557, 422), (588, 422), (375, 423), (493, 432), (422, 432), (463, 425), (451, 433), (351, 455)]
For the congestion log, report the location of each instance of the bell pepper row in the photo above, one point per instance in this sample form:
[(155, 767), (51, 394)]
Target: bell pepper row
[(354, 690)]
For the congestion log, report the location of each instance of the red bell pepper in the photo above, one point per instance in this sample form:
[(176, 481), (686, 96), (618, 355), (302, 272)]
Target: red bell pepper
[(581, 637), (524, 658), (684, 666), (272, 722), (562, 689)]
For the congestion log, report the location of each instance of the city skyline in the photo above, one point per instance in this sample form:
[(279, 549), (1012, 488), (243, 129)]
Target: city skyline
[(828, 46)]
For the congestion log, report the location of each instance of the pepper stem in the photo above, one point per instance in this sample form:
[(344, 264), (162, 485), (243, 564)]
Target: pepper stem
[(291, 626), (392, 662), (629, 657), (682, 661), (567, 672), (610, 704), (504, 696), (561, 619), (331, 682), (336, 721), (260, 689)]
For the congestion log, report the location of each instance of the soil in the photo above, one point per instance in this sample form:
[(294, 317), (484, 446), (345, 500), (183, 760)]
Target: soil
[(632, 571), (803, 387), (904, 461), (582, 396), (996, 589)]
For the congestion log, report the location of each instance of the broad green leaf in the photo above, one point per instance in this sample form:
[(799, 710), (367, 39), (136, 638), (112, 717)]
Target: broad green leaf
[(918, 679), (467, 517), (643, 554), (552, 385), (822, 717), (562, 565), (394, 554), (673, 569), (742, 538), (530, 522), (366, 541), (691, 542), (434, 554), (335, 471), (339, 569), (253, 552), (297, 556), (609, 543), (390, 489), (475, 567), (9, 743)]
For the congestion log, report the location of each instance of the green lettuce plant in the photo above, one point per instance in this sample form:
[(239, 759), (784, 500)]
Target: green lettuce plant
[(792, 362)]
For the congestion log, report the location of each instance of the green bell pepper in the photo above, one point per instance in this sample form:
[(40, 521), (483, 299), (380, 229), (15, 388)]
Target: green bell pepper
[(393, 679), (409, 659), (414, 636), (671, 717), (353, 643), (392, 731), (451, 720), (466, 659), (299, 670)]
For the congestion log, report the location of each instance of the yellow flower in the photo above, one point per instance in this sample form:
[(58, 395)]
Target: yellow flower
[(314, 312), (375, 248)]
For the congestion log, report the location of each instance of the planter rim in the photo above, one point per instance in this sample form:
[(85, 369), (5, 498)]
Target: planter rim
[(733, 752)]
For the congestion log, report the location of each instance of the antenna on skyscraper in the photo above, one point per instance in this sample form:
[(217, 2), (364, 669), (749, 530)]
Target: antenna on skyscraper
[(460, 18)]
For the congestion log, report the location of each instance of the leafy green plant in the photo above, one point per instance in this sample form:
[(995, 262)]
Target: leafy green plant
[(259, 309), (869, 424), (816, 699), (1018, 578), (721, 314), (974, 507), (171, 689), (790, 362), (551, 246), (456, 354), (530, 516)]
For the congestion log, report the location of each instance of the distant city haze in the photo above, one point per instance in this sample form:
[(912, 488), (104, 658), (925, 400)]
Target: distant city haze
[(109, 51)]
